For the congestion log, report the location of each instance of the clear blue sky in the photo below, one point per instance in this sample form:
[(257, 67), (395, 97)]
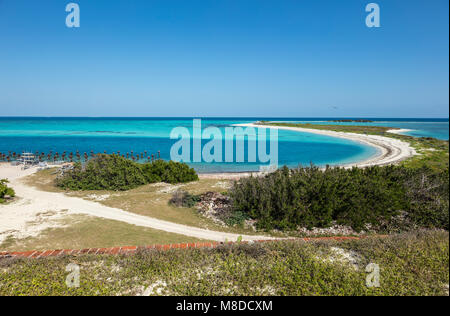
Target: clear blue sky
[(224, 58)]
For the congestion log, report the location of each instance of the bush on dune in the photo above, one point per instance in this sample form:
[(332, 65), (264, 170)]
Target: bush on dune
[(113, 172), (310, 197), (104, 172), (169, 172), (5, 190), (428, 196)]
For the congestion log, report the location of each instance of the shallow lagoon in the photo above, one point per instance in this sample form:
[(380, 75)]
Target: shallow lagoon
[(152, 135)]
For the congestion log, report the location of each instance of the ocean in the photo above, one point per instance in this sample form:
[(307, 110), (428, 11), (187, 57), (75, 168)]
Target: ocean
[(151, 135)]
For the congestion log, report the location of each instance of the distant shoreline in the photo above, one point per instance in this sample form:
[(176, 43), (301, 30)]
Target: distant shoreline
[(228, 117), (389, 150)]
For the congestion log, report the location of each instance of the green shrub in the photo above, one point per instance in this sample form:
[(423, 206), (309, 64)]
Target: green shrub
[(113, 172), (184, 199), (428, 196), (104, 172), (236, 218), (5, 190), (169, 172), (310, 197)]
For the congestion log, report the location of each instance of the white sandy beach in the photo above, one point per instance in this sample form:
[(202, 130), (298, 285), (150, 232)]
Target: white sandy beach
[(35, 210), (400, 131), (390, 150)]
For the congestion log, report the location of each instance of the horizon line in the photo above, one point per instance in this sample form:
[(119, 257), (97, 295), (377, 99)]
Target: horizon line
[(229, 117)]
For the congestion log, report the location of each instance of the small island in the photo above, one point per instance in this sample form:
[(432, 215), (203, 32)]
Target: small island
[(351, 121)]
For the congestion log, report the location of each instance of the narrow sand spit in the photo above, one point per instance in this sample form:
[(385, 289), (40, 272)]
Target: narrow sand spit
[(389, 150), (24, 217)]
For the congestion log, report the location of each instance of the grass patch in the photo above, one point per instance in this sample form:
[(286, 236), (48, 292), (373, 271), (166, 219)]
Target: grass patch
[(433, 152), (44, 180), (410, 264), (184, 199), (152, 200), (8, 242), (81, 231)]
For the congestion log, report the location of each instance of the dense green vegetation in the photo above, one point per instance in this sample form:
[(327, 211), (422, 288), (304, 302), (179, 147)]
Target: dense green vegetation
[(169, 172), (104, 172), (413, 194), (410, 264), (5, 191), (113, 172), (388, 198)]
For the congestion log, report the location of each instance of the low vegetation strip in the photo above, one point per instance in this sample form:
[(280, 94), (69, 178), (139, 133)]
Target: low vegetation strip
[(373, 130), (133, 249), (409, 264)]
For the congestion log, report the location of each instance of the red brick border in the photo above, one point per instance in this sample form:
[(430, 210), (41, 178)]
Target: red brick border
[(134, 249)]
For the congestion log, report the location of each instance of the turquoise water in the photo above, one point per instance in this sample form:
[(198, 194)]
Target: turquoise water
[(150, 135)]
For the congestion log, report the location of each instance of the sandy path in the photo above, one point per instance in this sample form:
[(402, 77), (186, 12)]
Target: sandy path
[(19, 218)]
